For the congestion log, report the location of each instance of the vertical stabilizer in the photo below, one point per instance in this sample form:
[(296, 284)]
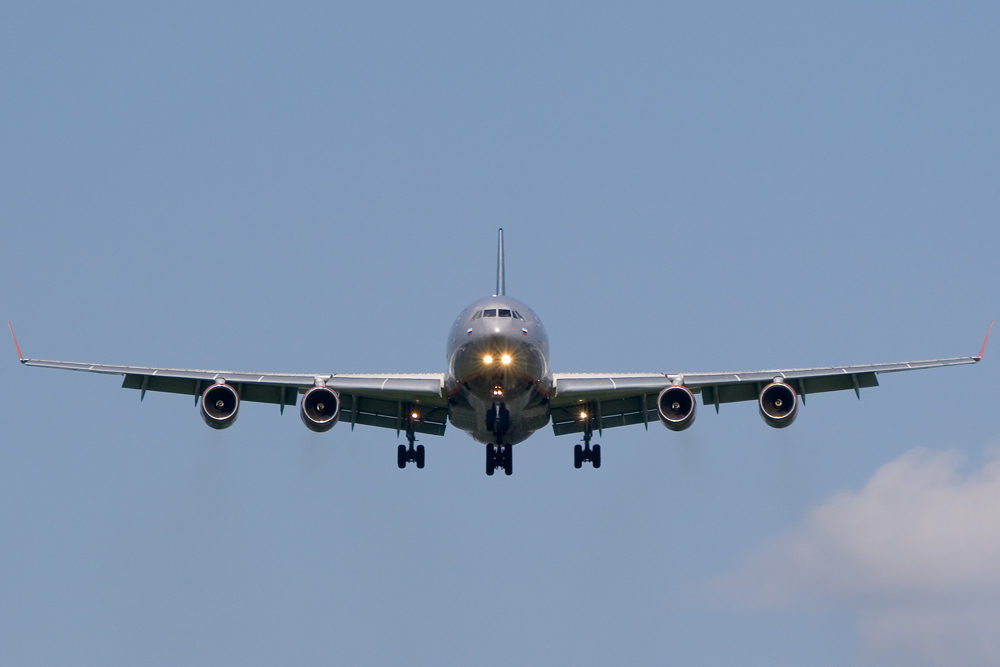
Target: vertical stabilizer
[(500, 281)]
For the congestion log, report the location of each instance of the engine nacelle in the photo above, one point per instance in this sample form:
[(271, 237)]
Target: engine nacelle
[(779, 404), (220, 404), (676, 407), (320, 409)]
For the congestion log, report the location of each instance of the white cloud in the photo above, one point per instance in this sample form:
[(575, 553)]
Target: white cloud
[(916, 552)]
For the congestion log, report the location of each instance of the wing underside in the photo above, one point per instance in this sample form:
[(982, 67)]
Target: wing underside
[(385, 401), (621, 399)]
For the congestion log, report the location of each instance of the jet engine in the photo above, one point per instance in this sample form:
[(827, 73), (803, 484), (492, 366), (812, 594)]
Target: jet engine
[(320, 409), (219, 405), (778, 404), (676, 407)]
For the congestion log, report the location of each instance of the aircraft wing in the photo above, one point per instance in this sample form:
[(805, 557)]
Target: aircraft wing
[(369, 399), (621, 399)]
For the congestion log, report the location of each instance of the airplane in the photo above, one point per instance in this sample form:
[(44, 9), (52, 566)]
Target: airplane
[(499, 389)]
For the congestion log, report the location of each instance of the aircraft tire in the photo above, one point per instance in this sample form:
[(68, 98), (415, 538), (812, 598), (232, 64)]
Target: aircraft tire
[(597, 456), (578, 457), (401, 457), (420, 456), (489, 460), (508, 461)]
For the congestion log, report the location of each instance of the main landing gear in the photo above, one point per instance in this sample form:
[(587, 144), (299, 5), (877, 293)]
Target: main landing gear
[(585, 453), (406, 454), (499, 455)]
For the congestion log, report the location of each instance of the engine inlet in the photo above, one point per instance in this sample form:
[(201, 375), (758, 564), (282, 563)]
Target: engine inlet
[(676, 407), (778, 404), (320, 409), (220, 404)]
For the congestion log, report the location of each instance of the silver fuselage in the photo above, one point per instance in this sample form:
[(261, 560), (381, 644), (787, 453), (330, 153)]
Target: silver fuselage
[(475, 384)]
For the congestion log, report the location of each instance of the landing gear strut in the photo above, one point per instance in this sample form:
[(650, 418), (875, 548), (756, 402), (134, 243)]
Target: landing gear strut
[(585, 453), (498, 419), (498, 455), (406, 454)]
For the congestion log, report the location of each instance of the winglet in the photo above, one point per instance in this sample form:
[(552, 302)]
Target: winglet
[(980, 355), (16, 346)]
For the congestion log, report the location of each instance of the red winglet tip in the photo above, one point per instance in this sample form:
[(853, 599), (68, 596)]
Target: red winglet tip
[(984, 341), (16, 346)]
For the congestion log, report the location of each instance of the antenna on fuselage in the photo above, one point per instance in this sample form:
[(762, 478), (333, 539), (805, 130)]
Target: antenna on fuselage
[(500, 281)]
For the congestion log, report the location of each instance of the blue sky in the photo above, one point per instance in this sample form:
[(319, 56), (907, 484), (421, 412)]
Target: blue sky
[(316, 188)]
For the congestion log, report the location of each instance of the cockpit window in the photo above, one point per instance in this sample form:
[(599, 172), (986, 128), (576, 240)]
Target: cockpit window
[(518, 315), (492, 312), (477, 315), (504, 312)]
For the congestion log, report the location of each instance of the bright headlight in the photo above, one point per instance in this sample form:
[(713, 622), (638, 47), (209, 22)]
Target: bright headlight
[(505, 359), (487, 359)]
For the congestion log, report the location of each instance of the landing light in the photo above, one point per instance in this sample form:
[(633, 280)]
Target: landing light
[(583, 415), (487, 359), (505, 359), (414, 415)]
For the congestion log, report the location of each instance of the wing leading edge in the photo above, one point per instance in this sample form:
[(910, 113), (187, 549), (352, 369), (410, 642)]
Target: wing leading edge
[(621, 399), (367, 399)]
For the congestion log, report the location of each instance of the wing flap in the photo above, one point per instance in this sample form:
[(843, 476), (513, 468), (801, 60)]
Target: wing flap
[(171, 385), (748, 391), (605, 414), (392, 414), (255, 393)]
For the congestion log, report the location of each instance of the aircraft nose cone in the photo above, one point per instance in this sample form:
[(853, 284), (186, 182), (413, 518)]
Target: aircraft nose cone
[(501, 325)]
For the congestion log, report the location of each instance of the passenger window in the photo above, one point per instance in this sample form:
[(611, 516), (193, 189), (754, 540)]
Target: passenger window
[(504, 312), (490, 313)]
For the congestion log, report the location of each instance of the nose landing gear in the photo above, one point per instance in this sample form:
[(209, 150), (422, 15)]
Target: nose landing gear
[(498, 455), (498, 419)]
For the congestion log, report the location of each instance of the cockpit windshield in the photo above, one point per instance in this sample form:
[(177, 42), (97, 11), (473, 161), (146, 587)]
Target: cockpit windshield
[(492, 312), (504, 312)]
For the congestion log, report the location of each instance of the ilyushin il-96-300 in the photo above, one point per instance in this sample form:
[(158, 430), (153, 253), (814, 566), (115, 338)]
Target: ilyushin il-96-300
[(499, 389)]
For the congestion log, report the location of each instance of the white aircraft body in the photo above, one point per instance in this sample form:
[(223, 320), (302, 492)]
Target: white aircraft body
[(499, 389)]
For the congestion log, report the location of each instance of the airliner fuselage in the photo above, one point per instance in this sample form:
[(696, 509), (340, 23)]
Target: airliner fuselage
[(498, 363)]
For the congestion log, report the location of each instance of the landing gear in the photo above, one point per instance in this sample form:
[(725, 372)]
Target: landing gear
[(585, 453), (498, 419), (406, 454), (499, 456)]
